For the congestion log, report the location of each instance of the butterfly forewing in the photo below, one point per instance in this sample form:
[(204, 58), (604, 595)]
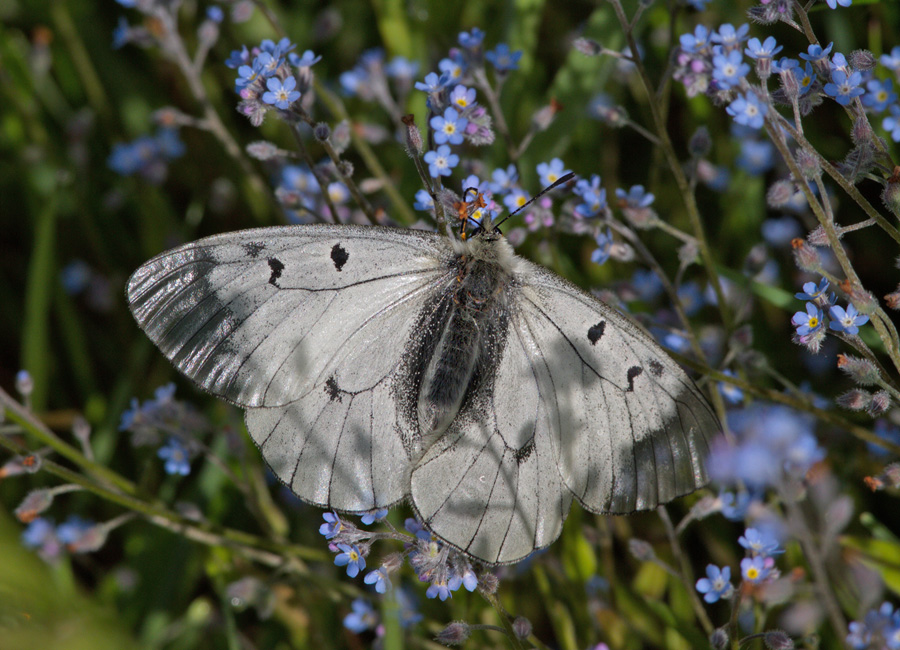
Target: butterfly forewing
[(257, 316), (633, 430)]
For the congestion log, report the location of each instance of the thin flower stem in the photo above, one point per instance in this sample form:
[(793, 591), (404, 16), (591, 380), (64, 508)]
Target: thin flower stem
[(878, 179), (667, 568), (494, 628), (261, 549), (337, 109), (213, 123), (690, 201), (358, 196), (644, 132), (792, 23), (733, 619), (406, 538), (833, 280), (890, 389), (423, 175), (213, 458), (804, 22), (663, 94), (503, 615), (891, 344), (888, 323), (686, 574), (260, 502), (428, 183), (692, 516), (203, 536), (404, 212), (526, 142), (121, 520), (538, 643), (439, 213), (25, 419), (858, 112), (383, 96), (863, 433), (842, 230), (672, 230), (820, 575), (657, 268), (488, 627), (317, 172), (493, 99), (759, 618), (826, 203), (201, 53), (750, 637), (608, 557), (638, 12), (64, 489), (270, 17), (65, 29), (798, 120), (86, 449), (781, 379), (839, 178)]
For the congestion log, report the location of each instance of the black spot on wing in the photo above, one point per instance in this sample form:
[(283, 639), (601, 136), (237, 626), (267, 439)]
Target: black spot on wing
[(521, 455), (633, 372), (254, 248), (339, 256), (333, 390), (277, 267), (595, 332), (656, 368)]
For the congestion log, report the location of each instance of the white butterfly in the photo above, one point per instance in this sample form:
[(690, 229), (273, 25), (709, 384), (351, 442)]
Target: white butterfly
[(379, 365)]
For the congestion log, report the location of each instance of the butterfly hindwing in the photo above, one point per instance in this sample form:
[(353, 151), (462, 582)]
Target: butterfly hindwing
[(490, 486), (337, 449)]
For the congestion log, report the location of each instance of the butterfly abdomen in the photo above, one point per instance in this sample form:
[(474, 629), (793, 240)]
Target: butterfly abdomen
[(469, 332)]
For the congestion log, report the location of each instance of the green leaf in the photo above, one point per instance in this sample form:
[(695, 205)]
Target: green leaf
[(881, 555)]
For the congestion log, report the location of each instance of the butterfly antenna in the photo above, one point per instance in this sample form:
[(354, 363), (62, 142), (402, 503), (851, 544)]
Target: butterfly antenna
[(557, 183)]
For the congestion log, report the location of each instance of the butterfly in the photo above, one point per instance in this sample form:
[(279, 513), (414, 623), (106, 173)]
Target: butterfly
[(381, 365)]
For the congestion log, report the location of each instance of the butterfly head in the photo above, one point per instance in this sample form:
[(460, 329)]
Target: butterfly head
[(475, 213)]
